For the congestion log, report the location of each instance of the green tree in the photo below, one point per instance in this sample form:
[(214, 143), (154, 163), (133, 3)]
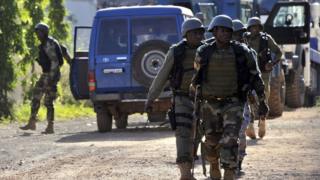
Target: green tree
[(59, 28), (35, 14), (11, 43)]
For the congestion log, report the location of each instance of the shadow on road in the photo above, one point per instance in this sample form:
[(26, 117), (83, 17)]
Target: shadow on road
[(130, 134)]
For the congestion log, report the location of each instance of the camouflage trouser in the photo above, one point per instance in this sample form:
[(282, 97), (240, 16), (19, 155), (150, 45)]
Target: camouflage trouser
[(50, 93), (222, 121), (266, 81), (183, 114), (242, 134)]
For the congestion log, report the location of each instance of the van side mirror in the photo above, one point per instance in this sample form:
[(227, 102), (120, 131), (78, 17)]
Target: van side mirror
[(289, 23)]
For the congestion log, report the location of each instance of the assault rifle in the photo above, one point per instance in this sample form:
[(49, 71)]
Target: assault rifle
[(196, 137)]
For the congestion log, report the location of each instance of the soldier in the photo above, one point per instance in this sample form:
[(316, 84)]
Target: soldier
[(239, 30), (263, 44), (178, 68), (224, 71), (50, 59)]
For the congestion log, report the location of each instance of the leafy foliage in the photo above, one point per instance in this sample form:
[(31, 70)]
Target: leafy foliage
[(11, 44), (19, 44)]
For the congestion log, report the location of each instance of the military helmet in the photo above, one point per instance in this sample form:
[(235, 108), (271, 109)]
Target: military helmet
[(254, 21), (191, 24), (42, 27), (238, 25), (222, 21)]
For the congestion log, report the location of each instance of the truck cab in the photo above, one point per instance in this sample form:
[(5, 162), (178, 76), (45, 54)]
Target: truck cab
[(127, 48)]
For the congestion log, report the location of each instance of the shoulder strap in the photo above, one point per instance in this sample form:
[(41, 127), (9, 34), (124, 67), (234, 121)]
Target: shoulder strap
[(205, 53), (179, 50)]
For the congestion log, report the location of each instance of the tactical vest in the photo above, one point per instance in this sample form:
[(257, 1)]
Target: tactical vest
[(44, 60), (222, 74), (242, 71), (183, 70)]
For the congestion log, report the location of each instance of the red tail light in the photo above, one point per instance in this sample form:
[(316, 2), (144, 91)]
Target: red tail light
[(91, 81)]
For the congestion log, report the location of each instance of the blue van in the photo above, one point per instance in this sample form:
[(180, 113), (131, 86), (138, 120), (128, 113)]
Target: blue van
[(116, 60)]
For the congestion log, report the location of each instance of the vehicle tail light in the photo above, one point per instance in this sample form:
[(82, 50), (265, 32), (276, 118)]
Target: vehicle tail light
[(91, 81)]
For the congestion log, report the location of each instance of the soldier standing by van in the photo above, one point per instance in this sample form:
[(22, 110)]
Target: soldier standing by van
[(50, 59), (224, 71), (264, 45), (178, 68)]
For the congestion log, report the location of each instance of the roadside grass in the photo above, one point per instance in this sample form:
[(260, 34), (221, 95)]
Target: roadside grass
[(63, 112)]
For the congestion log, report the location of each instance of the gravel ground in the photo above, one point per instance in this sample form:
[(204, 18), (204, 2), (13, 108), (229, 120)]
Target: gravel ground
[(290, 150)]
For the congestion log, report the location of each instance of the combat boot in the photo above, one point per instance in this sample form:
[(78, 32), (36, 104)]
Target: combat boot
[(30, 126), (262, 128), (240, 165), (250, 131), (215, 173), (229, 174), (49, 129), (185, 171)]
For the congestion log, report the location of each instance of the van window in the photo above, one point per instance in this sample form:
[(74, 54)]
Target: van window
[(113, 37), (209, 10), (153, 28), (245, 10), (290, 16)]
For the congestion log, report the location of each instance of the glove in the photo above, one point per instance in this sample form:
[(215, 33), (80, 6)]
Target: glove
[(148, 106), (263, 108)]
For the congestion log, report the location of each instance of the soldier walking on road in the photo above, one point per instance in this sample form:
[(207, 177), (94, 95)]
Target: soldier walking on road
[(178, 68), (264, 45), (50, 59), (238, 33), (224, 71)]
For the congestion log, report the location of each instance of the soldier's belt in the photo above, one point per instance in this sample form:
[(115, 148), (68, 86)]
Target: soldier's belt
[(222, 99)]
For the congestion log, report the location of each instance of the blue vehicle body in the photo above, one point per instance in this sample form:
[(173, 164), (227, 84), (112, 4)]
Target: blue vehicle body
[(123, 82), (117, 55)]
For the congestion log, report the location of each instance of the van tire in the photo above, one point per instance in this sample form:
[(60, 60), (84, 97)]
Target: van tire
[(121, 122), (104, 120), (277, 96), (296, 90), (148, 55)]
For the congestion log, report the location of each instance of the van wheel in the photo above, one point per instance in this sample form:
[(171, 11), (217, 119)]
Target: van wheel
[(157, 116), (104, 120), (147, 61), (277, 96), (121, 121), (296, 91)]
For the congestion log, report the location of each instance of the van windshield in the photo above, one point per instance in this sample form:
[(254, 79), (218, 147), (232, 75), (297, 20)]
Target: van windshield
[(153, 28), (113, 36)]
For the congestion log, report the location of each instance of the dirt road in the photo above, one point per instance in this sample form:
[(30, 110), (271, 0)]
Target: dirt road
[(291, 150)]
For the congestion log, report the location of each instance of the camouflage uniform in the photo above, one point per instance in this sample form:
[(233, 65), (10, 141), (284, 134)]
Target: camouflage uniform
[(178, 68), (50, 58), (239, 31), (225, 79), (264, 45), (183, 104), (254, 43)]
